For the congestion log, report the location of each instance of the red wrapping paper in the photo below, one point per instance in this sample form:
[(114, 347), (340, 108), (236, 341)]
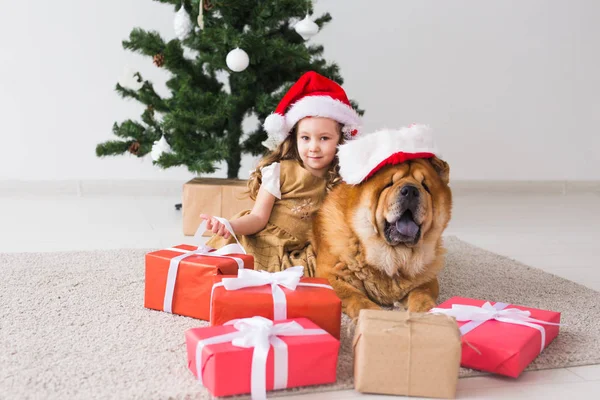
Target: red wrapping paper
[(321, 305), (312, 360), (506, 349), (194, 281)]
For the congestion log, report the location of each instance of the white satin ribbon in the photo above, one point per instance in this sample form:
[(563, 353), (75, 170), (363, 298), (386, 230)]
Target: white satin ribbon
[(259, 333), (202, 228), (289, 278), (234, 248), (499, 312)]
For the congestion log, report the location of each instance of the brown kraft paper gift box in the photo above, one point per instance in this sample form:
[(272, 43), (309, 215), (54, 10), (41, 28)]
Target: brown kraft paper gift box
[(405, 353), (213, 196)]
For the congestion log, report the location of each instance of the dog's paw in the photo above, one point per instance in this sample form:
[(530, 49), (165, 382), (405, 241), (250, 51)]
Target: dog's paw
[(424, 305), (353, 307)]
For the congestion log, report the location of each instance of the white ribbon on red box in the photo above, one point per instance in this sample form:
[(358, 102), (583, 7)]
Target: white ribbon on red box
[(499, 312), (224, 252), (289, 278), (259, 333)]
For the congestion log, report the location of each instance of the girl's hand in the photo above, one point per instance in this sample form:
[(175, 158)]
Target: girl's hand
[(216, 227)]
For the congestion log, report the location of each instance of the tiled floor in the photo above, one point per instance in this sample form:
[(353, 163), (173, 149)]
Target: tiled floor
[(555, 232)]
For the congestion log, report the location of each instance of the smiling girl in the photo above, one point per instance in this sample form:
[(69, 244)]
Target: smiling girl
[(289, 183)]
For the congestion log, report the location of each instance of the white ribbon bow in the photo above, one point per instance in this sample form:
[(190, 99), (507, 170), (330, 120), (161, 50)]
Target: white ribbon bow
[(289, 278), (259, 333), (498, 312), (234, 248)]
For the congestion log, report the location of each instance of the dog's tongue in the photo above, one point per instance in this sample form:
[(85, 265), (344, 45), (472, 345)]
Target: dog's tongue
[(406, 225)]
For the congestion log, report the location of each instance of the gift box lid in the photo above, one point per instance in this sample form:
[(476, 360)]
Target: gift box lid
[(223, 265)]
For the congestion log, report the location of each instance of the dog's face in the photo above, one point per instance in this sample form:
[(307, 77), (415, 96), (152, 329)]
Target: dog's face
[(409, 201)]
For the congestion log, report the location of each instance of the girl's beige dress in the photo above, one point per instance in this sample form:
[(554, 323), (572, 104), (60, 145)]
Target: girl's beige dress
[(284, 242)]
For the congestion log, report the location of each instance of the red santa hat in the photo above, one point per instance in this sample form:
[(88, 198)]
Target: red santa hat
[(312, 95), (362, 158)]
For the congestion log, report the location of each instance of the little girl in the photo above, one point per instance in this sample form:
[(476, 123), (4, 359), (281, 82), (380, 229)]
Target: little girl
[(290, 183)]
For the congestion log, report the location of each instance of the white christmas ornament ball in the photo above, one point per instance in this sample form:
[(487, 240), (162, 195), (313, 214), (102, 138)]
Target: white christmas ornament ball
[(159, 147), (182, 23), (306, 28), (237, 60)]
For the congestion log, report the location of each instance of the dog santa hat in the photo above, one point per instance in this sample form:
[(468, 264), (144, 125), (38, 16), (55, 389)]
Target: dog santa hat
[(313, 95), (360, 159)]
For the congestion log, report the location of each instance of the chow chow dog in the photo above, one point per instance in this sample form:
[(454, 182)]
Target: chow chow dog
[(378, 237)]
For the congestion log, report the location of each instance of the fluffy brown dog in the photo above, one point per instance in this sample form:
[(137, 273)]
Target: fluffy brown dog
[(379, 242)]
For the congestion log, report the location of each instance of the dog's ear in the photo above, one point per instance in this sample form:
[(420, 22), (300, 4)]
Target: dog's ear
[(442, 168)]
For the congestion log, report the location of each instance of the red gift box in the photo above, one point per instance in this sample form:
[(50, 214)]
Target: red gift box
[(178, 280), (500, 338), (253, 355), (276, 296)]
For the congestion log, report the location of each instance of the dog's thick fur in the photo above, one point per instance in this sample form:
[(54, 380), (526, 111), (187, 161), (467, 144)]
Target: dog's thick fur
[(360, 249)]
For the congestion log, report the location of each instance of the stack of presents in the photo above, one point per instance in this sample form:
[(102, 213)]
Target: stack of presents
[(272, 331)]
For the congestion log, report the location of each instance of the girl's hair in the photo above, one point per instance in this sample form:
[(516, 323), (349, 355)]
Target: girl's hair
[(288, 150)]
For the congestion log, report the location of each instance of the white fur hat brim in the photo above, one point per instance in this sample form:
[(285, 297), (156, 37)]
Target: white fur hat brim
[(358, 158)]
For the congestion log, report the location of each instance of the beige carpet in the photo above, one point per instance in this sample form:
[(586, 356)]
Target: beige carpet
[(73, 324)]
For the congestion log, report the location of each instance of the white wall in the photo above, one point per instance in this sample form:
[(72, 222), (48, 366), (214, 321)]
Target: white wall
[(511, 87)]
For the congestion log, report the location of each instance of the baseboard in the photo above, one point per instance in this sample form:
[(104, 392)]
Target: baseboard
[(92, 188), (525, 187), (174, 187)]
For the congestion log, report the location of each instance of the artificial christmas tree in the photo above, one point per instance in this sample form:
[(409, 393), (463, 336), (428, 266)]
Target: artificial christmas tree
[(201, 122)]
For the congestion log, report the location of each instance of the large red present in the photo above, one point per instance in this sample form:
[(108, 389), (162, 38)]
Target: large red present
[(254, 355), (500, 338), (179, 279), (276, 296)]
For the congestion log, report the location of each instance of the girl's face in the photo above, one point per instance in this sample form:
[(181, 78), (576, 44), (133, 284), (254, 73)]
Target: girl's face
[(317, 139)]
